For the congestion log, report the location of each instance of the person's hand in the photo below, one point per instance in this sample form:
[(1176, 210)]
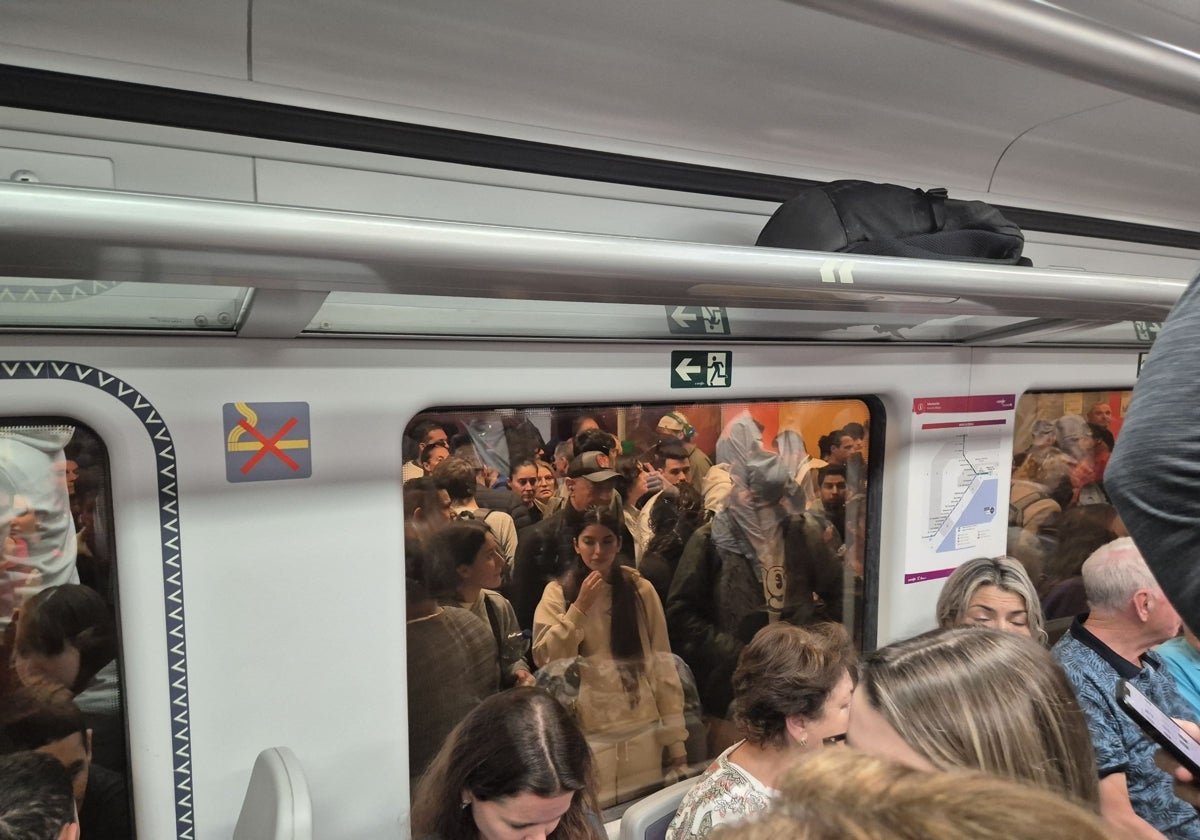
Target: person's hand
[(489, 476), (654, 479), (524, 678), (676, 771), (1186, 786), (589, 591)]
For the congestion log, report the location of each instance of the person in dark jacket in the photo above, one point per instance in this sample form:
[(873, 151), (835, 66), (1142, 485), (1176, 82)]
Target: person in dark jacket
[(1155, 467), (751, 565)]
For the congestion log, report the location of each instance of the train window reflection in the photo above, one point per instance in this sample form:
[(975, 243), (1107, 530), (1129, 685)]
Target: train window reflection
[(1058, 511), (60, 685), (621, 556)]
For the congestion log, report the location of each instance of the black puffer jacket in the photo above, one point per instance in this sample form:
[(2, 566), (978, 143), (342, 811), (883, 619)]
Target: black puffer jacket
[(716, 603)]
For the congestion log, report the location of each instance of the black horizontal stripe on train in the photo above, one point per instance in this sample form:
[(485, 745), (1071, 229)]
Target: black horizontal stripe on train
[(86, 96)]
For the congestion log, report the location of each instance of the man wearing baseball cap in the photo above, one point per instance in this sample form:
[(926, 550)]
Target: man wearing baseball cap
[(676, 425), (546, 550)]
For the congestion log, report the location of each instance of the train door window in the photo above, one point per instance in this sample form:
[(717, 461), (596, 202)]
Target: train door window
[(1058, 511), (60, 684), (621, 556)]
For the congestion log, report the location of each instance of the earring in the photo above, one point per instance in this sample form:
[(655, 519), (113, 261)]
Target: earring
[(803, 742), (465, 803)]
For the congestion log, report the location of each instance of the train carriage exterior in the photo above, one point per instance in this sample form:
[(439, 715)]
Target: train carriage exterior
[(169, 273)]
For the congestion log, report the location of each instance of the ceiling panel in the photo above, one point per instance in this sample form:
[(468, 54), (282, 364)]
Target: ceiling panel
[(758, 85), (203, 37), (761, 80), (1171, 21), (1134, 159)]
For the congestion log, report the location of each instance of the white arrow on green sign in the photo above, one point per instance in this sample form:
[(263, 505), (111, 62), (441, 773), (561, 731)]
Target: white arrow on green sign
[(701, 368)]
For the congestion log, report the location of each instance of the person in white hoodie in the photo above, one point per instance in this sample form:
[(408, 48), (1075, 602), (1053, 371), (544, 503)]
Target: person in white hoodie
[(40, 550)]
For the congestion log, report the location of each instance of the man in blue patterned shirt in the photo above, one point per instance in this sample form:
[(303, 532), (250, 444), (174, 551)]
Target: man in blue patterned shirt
[(1129, 615)]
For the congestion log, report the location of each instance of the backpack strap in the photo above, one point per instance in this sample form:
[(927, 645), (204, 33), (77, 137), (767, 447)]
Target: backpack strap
[(495, 621), (937, 205)]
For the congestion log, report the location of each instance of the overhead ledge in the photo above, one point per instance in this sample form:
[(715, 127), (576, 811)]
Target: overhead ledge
[(80, 234)]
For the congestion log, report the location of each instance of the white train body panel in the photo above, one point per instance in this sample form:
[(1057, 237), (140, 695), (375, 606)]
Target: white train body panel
[(294, 599)]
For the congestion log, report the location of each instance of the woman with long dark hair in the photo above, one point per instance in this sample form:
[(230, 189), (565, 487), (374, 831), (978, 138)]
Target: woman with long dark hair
[(517, 766), (608, 620), (67, 636), (463, 568)]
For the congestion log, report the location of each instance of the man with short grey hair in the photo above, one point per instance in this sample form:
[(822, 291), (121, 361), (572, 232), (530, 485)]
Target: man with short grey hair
[(1129, 615)]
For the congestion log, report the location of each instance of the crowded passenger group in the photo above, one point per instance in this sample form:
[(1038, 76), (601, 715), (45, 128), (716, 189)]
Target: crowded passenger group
[(697, 614), (596, 616), (622, 576)]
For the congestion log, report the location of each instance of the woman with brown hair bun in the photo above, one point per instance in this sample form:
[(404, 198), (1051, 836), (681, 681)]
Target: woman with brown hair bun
[(516, 767), (792, 690)]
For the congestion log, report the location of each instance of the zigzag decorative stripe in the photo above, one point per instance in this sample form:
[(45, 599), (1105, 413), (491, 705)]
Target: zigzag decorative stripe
[(55, 294), (168, 505)]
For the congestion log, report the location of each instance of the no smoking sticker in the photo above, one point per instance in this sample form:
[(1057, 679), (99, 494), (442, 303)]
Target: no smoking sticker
[(267, 441)]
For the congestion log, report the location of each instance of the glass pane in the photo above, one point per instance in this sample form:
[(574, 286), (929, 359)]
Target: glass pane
[(96, 304), (61, 679), (1126, 333), (1058, 511), (383, 314), (621, 556)]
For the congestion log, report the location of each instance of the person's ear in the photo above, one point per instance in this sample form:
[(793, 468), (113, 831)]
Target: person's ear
[(1141, 603), (87, 744), (797, 728)]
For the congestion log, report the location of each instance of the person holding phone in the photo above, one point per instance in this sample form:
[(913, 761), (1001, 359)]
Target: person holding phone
[(1129, 616), (1186, 783)]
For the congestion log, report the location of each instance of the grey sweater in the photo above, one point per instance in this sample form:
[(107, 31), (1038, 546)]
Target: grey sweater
[(1153, 478)]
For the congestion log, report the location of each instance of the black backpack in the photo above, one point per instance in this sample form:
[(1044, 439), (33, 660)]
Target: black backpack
[(860, 217)]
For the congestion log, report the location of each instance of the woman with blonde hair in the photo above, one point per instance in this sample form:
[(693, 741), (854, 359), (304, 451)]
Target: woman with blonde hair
[(845, 795), (992, 592), (975, 699), (517, 766)]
